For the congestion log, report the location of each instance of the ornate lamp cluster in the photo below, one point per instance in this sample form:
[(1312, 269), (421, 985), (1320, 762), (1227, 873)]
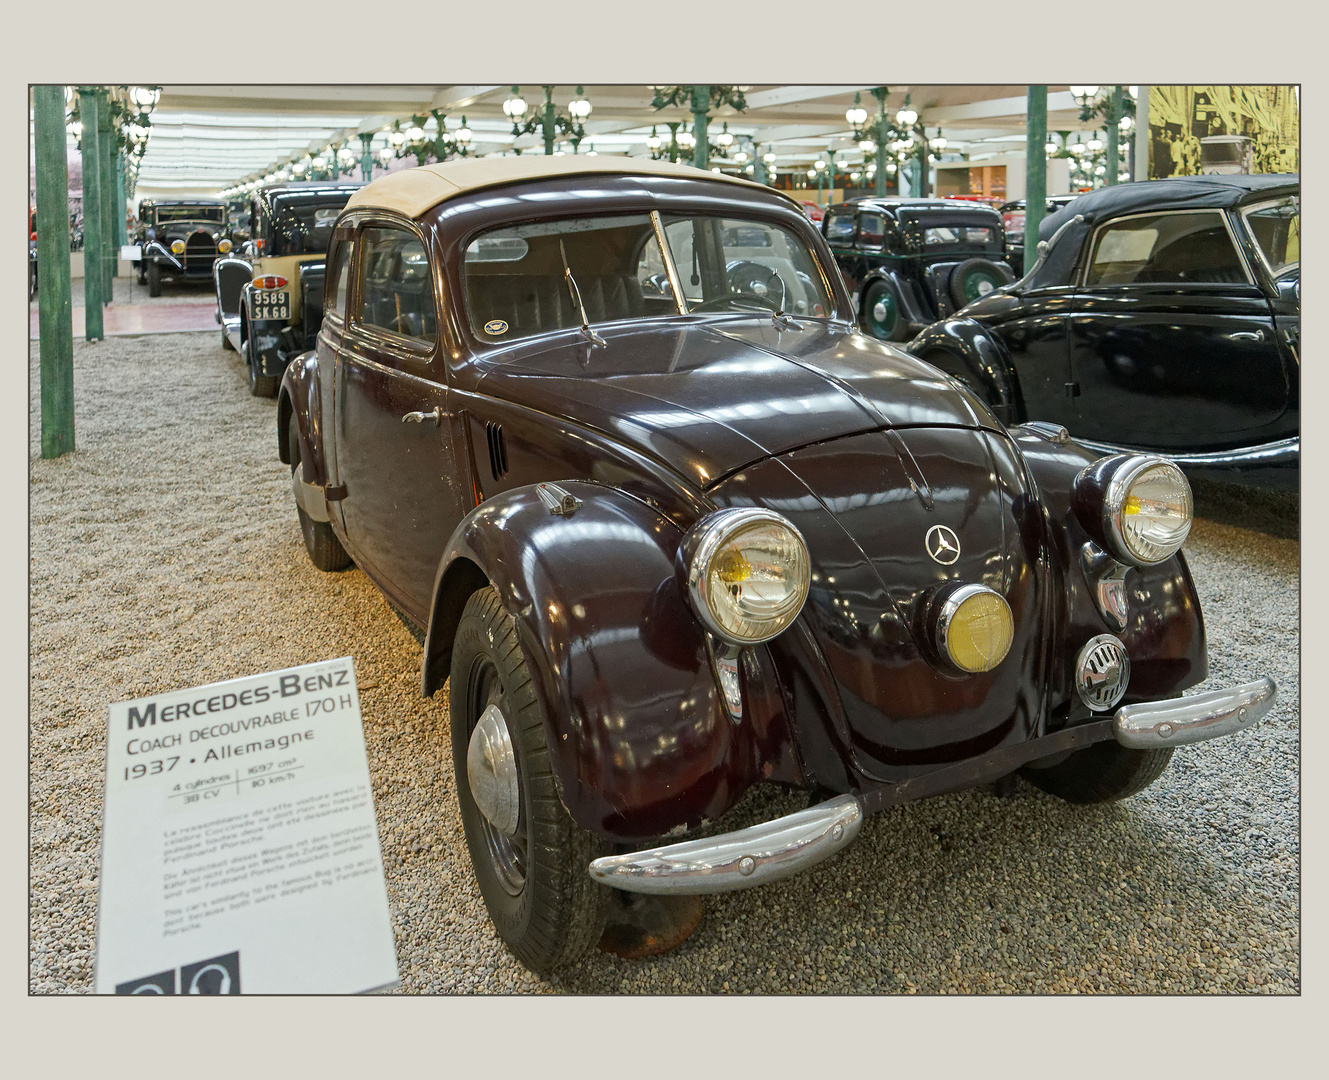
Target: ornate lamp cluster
[(416, 142), (548, 121), (130, 110), (886, 140), (1090, 159)]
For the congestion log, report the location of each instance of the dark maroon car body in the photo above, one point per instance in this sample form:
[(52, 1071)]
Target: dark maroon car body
[(862, 447)]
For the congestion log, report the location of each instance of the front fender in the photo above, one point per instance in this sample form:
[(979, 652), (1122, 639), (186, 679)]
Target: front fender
[(967, 350), (639, 740), (157, 253), (298, 403)]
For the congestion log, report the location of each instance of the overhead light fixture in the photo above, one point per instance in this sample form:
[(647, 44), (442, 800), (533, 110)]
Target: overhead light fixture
[(579, 108), (514, 108), (906, 117)]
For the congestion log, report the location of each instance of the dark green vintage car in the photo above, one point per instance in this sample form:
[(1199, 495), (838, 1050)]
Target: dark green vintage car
[(908, 262)]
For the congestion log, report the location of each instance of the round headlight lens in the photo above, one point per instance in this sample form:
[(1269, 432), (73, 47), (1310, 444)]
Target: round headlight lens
[(975, 628), (749, 574), (1147, 509), (177, 247), (223, 246)]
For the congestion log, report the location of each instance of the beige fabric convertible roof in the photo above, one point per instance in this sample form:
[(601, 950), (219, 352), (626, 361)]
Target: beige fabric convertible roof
[(413, 191)]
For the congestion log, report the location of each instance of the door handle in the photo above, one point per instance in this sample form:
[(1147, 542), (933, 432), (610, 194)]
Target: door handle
[(420, 417), (1246, 335)]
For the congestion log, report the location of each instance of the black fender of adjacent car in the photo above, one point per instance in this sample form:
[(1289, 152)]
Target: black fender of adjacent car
[(966, 350)]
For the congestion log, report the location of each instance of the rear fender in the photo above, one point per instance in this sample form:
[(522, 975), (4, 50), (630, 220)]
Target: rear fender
[(639, 739), (905, 290), (966, 350)]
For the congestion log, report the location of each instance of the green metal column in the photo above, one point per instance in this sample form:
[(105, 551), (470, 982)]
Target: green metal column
[(1035, 171), (883, 130), (89, 110), (54, 315), (366, 156), (547, 121), (107, 157), (1112, 134), (923, 184), (673, 141), (121, 205), (701, 103)]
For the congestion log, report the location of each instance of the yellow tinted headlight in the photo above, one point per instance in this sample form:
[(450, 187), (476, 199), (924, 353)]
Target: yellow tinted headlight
[(975, 628), (223, 246), (177, 247)]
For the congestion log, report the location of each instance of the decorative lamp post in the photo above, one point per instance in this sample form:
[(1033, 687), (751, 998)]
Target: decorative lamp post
[(701, 99)]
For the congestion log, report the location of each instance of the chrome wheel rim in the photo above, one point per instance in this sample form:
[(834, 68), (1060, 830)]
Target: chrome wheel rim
[(508, 854), (883, 314)]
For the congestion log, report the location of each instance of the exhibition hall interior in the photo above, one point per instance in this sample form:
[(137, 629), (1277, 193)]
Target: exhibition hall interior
[(673, 539)]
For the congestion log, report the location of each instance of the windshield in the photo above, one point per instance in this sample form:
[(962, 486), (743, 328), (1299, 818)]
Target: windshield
[(515, 283), (1276, 227), (191, 213)]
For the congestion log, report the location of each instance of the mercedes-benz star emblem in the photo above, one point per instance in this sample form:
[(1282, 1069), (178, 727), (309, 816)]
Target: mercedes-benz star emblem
[(942, 544)]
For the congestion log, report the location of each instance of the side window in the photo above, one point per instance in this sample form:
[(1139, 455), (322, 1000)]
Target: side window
[(1162, 248), (339, 276), (871, 231), (395, 291), (839, 227)]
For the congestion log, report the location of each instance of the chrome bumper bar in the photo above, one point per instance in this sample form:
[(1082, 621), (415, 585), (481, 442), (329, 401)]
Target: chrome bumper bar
[(1153, 724), (788, 845), (738, 860)]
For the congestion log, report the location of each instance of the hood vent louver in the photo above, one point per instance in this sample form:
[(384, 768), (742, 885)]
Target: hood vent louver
[(498, 454)]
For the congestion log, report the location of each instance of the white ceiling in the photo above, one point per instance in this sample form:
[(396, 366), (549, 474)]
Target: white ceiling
[(207, 138)]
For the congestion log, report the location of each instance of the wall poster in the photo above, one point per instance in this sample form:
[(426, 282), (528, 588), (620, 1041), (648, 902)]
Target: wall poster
[(1230, 129)]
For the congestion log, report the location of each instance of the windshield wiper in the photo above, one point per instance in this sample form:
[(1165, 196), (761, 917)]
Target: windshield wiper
[(575, 294)]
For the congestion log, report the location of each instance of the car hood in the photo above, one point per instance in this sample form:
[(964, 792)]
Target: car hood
[(709, 396)]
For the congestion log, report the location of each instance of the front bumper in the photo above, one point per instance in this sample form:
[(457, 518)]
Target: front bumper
[(793, 843)]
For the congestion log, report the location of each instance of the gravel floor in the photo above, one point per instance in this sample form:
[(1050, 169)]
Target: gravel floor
[(165, 553)]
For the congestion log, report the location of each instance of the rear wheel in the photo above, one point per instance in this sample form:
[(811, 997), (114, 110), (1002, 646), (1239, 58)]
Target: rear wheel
[(880, 313), (530, 862), (973, 279), (259, 385), (1104, 772), (325, 550), (154, 279)]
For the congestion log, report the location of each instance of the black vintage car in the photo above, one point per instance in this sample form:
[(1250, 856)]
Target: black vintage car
[(663, 544), (180, 240), (910, 261), (1012, 217), (270, 293), (1163, 316)]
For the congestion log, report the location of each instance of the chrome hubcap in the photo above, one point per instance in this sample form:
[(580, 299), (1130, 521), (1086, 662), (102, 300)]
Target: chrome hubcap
[(491, 768), (880, 311)]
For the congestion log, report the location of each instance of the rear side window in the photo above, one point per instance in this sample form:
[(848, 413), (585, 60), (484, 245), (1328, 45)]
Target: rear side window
[(339, 276), (871, 230), (395, 290), (840, 226), (1162, 248)]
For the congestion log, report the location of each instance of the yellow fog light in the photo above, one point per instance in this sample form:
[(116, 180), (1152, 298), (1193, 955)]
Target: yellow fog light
[(223, 246), (177, 247), (974, 628)]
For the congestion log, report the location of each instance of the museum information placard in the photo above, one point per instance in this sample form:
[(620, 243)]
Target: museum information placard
[(239, 848)]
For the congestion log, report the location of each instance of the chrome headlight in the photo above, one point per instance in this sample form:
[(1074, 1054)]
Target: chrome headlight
[(1145, 506), (223, 246), (747, 572), (177, 247)]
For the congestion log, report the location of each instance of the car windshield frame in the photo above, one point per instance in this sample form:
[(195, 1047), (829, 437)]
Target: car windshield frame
[(482, 323), (1265, 204), (178, 214)]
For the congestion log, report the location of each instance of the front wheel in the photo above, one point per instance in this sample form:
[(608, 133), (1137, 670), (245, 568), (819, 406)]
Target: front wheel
[(1104, 772), (530, 858), (880, 313), (154, 279)]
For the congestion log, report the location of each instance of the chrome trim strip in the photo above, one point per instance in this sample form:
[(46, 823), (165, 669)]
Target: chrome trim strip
[(1282, 452), (738, 860), (1107, 577), (1153, 724), (670, 269)]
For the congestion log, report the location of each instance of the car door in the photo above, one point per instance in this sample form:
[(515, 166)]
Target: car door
[(405, 487), (1172, 342)]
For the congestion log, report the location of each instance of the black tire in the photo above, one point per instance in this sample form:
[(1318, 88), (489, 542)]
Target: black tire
[(1104, 772), (880, 313), (259, 385), (325, 550), (154, 279), (975, 278), (543, 903)]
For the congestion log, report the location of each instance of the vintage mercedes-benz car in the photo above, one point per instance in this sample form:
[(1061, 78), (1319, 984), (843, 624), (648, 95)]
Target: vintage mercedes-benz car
[(180, 240), (664, 548), (1162, 316), (908, 262), (270, 292)]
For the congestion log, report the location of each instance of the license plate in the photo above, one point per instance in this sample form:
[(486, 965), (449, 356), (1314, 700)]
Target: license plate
[(271, 304)]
